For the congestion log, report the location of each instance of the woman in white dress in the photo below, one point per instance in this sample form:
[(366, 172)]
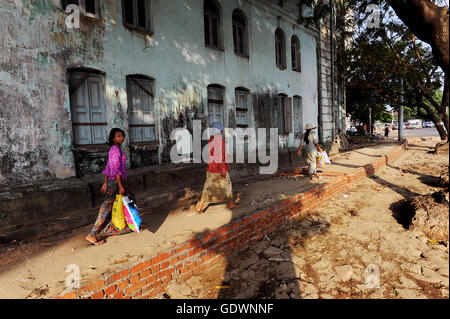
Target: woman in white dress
[(311, 144)]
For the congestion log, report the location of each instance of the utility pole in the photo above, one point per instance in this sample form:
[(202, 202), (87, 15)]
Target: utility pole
[(400, 112)]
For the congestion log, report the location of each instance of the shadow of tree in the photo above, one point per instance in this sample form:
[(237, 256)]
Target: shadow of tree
[(267, 269), (365, 154), (426, 179), (403, 191)]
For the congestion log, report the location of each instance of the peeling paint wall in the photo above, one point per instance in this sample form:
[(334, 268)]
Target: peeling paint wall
[(35, 131), (36, 139)]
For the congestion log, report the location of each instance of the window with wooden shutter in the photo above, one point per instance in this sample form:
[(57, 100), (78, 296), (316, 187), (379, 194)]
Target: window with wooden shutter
[(136, 14), (280, 111), (287, 115), (97, 108), (90, 8), (298, 114), (88, 108), (215, 105), (141, 117), (280, 49), (295, 54), (212, 24), (239, 33), (242, 109)]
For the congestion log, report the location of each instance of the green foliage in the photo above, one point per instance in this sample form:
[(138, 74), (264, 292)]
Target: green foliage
[(385, 117), (377, 59)]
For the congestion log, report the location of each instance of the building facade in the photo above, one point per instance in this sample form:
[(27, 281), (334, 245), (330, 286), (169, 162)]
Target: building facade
[(148, 67)]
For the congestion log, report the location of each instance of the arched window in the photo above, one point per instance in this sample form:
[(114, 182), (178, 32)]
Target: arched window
[(239, 33), (212, 24), (295, 52), (88, 106), (280, 49)]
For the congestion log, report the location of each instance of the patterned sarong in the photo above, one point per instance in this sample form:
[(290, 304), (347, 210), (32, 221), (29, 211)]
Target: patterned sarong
[(103, 225), (217, 188)]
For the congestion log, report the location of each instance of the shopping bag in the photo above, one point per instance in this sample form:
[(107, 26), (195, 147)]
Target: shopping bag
[(131, 213), (325, 157), (118, 217), (320, 161)]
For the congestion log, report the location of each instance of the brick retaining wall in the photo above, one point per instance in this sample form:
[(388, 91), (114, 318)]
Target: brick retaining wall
[(148, 278)]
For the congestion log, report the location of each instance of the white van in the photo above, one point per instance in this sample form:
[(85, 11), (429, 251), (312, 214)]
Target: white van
[(415, 124)]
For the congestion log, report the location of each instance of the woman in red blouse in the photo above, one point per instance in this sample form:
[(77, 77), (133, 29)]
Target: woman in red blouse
[(217, 186)]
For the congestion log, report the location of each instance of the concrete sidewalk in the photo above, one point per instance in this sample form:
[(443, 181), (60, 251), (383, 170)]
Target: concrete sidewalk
[(40, 268)]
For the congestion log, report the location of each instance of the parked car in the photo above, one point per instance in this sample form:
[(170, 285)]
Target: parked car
[(415, 124), (429, 124)]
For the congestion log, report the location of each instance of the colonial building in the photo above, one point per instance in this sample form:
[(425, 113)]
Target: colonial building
[(148, 67)]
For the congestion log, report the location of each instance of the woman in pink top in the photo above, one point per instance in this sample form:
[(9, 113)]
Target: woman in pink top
[(115, 183)]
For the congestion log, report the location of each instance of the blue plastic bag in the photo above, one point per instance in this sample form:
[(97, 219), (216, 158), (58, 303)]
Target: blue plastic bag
[(131, 212)]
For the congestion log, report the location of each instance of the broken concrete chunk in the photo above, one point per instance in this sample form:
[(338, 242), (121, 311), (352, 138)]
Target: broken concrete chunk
[(278, 241), (249, 261), (271, 251), (260, 246), (178, 290), (276, 258), (269, 201)]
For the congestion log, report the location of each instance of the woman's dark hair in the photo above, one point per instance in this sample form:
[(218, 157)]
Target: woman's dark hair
[(305, 138), (112, 133)]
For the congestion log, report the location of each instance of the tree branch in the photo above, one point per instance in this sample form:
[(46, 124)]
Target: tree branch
[(428, 22), (413, 38)]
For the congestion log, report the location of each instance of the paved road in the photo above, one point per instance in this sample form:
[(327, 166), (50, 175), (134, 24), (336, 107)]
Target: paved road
[(421, 132)]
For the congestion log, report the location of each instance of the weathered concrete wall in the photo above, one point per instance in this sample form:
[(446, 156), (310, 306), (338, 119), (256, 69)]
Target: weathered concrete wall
[(36, 140), (35, 134)]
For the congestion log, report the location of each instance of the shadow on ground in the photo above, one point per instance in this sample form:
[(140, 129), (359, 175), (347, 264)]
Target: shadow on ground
[(267, 270)]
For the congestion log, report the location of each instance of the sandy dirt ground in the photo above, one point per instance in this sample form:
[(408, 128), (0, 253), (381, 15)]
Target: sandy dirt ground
[(352, 247)]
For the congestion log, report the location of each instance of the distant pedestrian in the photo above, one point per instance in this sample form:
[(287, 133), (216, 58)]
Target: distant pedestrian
[(311, 149), (386, 131), (217, 186), (115, 183)]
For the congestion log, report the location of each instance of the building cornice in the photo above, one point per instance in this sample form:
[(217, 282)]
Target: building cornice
[(277, 10)]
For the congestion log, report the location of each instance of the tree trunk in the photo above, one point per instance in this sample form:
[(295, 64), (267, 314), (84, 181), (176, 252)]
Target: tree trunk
[(444, 104), (436, 120), (428, 22)]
